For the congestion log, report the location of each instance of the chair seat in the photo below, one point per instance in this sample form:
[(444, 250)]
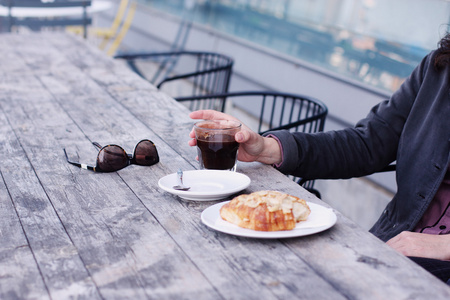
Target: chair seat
[(36, 14)]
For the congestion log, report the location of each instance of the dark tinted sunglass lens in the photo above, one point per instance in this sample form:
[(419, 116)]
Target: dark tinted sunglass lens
[(145, 153), (112, 158)]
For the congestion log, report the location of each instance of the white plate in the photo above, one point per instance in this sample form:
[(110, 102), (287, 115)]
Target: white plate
[(206, 185), (320, 219)]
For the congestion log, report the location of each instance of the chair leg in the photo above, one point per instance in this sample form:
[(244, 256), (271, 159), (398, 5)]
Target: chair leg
[(123, 31), (111, 32), (308, 185), (315, 192)]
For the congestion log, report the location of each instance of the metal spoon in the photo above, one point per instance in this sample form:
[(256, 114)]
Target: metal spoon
[(180, 186)]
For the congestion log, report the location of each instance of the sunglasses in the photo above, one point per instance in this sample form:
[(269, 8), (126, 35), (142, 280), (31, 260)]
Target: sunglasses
[(112, 158)]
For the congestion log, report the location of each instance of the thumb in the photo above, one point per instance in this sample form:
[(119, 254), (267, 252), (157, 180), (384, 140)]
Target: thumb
[(245, 136), (240, 137)]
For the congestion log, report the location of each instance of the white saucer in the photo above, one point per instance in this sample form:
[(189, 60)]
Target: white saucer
[(206, 185), (320, 219)]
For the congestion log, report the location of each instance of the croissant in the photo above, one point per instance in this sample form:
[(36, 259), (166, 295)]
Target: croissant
[(265, 211)]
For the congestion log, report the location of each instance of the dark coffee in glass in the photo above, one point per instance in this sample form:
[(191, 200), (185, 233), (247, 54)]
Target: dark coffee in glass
[(216, 146)]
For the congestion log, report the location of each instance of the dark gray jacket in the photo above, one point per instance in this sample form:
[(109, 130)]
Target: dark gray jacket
[(413, 127)]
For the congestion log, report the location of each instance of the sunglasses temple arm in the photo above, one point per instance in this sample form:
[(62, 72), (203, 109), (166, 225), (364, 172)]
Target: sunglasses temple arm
[(97, 145), (83, 166)]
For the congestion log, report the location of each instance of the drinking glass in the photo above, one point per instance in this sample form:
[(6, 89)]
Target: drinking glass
[(216, 146)]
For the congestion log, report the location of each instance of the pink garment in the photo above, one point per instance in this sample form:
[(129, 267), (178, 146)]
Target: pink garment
[(436, 219)]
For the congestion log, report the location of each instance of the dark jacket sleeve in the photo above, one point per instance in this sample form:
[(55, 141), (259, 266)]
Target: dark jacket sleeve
[(366, 148)]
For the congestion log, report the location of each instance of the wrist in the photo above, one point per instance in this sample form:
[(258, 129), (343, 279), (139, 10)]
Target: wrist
[(271, 154)]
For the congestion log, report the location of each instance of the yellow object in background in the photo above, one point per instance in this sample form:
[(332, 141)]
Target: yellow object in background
[(103, 35)]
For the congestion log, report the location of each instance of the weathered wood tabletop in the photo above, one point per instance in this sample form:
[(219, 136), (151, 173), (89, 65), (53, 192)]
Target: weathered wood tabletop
[(71, 233)]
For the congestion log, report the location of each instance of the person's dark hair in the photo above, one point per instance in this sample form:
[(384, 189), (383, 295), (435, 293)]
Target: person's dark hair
[(443, 52)]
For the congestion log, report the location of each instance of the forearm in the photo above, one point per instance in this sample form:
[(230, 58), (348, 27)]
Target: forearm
[(422, 245), (336, 154)]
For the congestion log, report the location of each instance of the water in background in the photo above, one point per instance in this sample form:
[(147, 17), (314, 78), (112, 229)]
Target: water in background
[(377, 42)]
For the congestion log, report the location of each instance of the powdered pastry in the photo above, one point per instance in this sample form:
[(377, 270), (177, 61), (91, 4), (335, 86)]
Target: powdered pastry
[(266, 211)]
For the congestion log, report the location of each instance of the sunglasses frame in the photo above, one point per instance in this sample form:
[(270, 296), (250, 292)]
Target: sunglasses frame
[(131, 158)]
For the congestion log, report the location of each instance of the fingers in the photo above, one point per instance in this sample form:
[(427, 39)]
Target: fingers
[(214, 115), (210, 115), (240, 137), (205, 114), (192, 133), (393, 242), (192, 142)]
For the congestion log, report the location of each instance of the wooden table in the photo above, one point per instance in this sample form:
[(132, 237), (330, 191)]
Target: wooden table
[(72, 233)]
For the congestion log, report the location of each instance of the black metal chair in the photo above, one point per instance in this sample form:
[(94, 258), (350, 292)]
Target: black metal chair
[(36, 23), (275, 111), (185, 74)]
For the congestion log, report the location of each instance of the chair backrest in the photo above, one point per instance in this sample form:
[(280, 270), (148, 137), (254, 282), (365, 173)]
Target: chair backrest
[(202, 73), (292, 112), (37, 22), (276, 111), (186, 73)]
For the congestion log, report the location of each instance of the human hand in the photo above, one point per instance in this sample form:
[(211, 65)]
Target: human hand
[(422, 245), (253, 147)]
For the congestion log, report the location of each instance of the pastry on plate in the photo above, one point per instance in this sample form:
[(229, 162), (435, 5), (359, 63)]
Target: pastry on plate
[(265, 211)]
